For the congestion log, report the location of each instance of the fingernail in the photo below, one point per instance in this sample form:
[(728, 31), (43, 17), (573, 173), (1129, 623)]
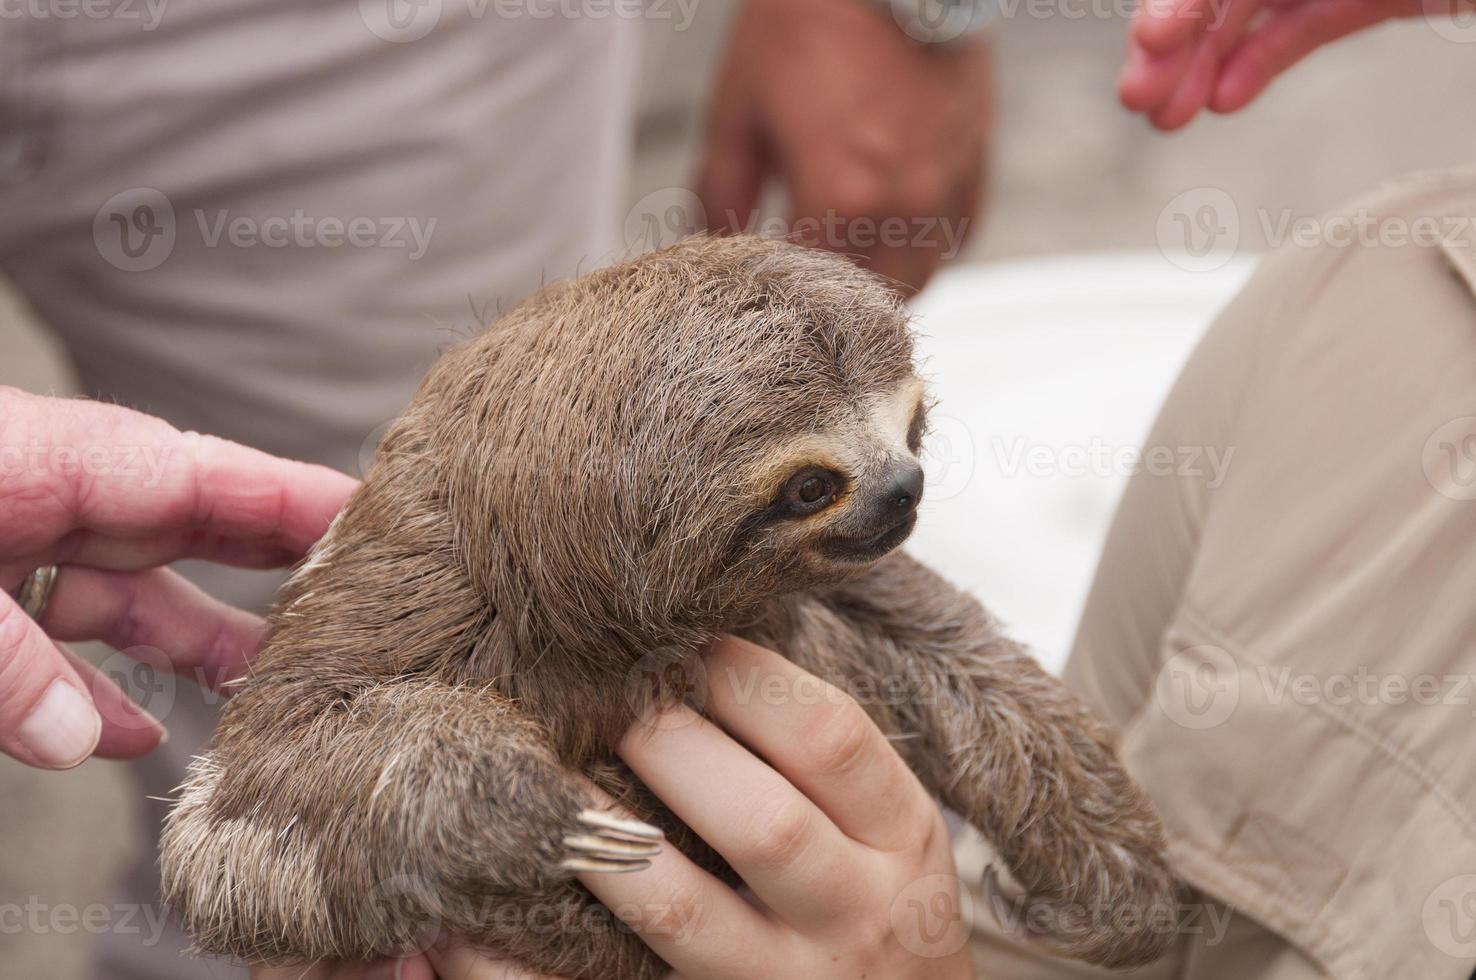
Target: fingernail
[(63, 728)]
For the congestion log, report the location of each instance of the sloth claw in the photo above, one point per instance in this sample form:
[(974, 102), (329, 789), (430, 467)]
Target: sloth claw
[(613, 845), (605, 823)]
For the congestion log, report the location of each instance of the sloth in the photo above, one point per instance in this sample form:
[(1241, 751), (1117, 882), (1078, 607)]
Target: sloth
[(720, 437)]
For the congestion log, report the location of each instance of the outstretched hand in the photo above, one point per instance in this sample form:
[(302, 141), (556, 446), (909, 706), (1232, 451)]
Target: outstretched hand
[(109, 495), (1188, 55)]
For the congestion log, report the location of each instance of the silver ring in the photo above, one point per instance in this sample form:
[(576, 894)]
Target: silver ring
[(35, 591)]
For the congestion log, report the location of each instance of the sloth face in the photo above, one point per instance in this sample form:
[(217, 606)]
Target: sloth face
[(650, 451), (848, 494)]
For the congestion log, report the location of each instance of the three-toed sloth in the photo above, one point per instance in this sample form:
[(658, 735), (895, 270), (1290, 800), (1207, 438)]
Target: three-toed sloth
[(719, 437)]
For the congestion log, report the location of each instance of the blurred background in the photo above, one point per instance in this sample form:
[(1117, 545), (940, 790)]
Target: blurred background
[(1060, 326)]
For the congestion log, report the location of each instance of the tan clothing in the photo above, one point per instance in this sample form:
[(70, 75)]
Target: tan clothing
[(1290, 654)]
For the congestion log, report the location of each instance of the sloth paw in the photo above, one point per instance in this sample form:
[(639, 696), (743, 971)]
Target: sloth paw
[(611, 844)]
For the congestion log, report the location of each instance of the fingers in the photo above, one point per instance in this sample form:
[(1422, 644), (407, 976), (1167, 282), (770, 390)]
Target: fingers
[(46, 717), (128, 731), (1193, 91), (121, 476), (821, 741), (1281, 40), (672, 902), (1149, 79), (158, 618), (778, 841), (1164, 25), (86, 547)]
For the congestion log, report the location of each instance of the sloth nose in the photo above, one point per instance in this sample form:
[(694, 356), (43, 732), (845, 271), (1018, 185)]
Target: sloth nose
[(905, 489)]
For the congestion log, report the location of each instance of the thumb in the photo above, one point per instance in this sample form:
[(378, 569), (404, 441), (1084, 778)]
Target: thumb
[(47, 718)]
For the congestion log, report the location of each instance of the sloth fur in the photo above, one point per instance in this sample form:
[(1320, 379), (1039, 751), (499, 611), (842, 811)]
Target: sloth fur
[(575, 502)]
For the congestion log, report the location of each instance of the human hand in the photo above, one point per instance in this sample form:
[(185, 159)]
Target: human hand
[(1188, 55), (805, 798), (880, 140), (109, 495)]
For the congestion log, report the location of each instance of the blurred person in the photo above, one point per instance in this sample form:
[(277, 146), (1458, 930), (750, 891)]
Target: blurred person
[(264, 221)]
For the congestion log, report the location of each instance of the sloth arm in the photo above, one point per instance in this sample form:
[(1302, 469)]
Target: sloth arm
[(338, 830), (994, 737)]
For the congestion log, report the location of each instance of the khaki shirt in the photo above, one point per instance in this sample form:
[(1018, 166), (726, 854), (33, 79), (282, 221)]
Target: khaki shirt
[(1291, 654)]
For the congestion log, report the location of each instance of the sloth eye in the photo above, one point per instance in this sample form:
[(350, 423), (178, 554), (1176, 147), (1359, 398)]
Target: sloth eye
[(810, 490)]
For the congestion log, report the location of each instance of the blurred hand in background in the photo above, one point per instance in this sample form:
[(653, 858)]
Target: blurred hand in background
[(880, 140), (1188, 55)]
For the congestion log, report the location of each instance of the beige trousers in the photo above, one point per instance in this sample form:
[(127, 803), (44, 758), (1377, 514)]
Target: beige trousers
[(264, 220), (1290, 654)]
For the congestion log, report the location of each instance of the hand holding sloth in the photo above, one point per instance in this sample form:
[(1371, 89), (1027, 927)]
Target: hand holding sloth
[(718, 438), (829, 893)]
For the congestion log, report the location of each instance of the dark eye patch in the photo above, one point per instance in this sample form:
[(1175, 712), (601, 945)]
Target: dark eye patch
[(918, 428)]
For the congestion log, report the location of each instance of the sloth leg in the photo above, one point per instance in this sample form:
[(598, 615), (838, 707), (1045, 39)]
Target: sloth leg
[(368, 825), (1006, 746)]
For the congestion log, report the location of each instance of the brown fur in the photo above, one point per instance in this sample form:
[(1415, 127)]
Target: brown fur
[(569, 504)]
